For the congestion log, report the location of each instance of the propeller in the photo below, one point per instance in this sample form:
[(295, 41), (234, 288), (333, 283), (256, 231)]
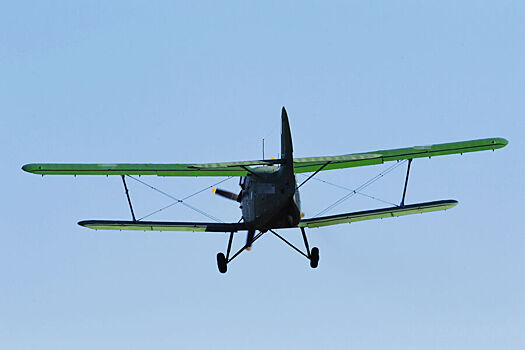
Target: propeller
[(228, 194)]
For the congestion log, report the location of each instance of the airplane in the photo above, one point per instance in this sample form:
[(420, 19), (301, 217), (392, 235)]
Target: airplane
[(269, 195)]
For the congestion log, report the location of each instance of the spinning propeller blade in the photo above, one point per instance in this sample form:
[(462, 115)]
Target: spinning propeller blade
[(227, 194)]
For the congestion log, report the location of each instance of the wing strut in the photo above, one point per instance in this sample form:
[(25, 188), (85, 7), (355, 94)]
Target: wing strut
[(129, 199), (406, 183), (317, 171)]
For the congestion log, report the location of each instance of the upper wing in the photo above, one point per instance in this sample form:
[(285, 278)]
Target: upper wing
[(208, 169), (162, 226), (302, 165), (378, 213)]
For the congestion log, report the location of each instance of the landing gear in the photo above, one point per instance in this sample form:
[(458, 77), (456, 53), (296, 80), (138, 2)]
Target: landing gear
[(224, 260), (222, 263), (314, 257)]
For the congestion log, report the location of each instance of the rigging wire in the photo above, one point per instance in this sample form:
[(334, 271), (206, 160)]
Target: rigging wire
[(177, 200), (358, 189), (351, 190), (377, 199), (183, 199)]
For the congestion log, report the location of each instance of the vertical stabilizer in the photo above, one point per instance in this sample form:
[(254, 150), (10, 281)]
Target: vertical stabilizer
[(286, 146), (286, 139)]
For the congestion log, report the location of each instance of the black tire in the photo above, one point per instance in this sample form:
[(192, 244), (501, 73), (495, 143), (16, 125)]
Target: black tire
[(314, 257), (222, 264)]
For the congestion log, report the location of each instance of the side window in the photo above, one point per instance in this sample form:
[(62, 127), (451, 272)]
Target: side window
[(266, 188)]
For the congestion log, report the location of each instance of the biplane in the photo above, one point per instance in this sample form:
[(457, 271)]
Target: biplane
[(269, 191)]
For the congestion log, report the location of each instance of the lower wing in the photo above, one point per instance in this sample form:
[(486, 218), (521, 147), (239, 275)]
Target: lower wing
[(417, 208), (162, 226)]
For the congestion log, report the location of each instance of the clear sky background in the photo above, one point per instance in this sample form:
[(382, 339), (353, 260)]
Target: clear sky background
[(204, 82)]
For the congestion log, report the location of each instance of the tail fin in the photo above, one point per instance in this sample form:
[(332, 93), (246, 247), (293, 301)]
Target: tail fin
[(286, 139), (286, 145)]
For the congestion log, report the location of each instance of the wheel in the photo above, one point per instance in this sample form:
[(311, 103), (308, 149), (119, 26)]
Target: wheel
[(222, 264), (314, 257)]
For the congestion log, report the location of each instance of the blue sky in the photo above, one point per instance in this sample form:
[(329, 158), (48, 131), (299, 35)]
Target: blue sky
[(204, 82)]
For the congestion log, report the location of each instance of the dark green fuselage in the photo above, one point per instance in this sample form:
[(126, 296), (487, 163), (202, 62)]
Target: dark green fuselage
[(270, 199)]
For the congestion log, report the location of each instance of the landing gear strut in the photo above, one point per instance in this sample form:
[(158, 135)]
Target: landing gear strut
[(313, 255)]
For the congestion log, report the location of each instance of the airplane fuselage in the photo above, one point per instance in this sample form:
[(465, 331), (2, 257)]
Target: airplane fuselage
[(269, 195), (270, 199)]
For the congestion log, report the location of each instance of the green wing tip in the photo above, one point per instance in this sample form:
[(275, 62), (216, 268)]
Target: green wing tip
[(30, 168), (499, 142), (34, 168)]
